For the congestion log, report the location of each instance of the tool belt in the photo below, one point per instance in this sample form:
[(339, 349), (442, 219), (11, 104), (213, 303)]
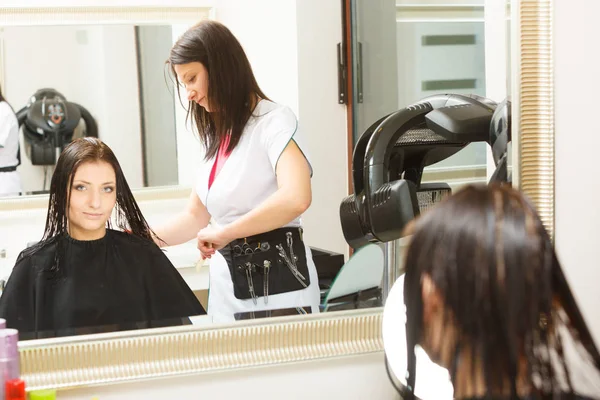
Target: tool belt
[(266, 264)]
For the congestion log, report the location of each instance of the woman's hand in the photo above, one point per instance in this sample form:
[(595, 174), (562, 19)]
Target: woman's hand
[(211, 239)]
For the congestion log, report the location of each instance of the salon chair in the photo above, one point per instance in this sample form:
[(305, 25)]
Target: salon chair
[(357, 283), (389, 160)]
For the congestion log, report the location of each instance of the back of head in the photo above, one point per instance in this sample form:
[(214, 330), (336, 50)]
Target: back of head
[(76, 153), (232, 87), (503, 291)]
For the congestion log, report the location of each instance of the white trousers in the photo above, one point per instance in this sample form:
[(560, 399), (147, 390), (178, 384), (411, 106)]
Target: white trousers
[(10, 183)]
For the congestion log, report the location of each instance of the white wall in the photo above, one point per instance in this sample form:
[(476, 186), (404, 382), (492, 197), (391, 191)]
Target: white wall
[(106, 3), (322, 120), (376, 31), (267, 31), (94, 66), (158, 103), (190, 152), (119, 126), (577, 142)]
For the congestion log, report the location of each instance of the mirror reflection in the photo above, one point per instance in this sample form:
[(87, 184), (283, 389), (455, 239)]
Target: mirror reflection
[(81, 273), (429, 103), (105, 81), (428, 48), (241, 233)]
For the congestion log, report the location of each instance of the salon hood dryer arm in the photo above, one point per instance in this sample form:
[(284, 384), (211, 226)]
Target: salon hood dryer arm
[(395, 150), (49, 123)]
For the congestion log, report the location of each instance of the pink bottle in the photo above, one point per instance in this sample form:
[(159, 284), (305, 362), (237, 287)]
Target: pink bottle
[(9, 357)]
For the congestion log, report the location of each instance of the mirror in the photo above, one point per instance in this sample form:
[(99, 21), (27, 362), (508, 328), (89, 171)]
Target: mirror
[(435, 53), (407, 51), (87, 360), (113, 78), (115, 72), (160, 150)]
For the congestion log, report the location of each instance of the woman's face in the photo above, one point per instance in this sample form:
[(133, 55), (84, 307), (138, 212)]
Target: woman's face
[(194, 77), (92, 198)]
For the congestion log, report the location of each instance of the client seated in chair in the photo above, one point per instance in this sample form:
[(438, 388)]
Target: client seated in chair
[(486, 298), (82, 273)]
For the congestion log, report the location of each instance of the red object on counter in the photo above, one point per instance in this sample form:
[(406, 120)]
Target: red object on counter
[(15, 390)]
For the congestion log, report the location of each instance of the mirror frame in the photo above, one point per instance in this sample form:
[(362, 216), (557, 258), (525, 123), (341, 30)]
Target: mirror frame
[(109, 358), (533, 104)]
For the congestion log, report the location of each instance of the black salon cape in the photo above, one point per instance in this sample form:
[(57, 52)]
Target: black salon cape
[(118, 280)]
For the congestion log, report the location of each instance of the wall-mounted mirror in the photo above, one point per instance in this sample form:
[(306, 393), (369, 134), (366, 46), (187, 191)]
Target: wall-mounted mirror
[(140, 108), (104, 77), (406, 51), (117, 73)]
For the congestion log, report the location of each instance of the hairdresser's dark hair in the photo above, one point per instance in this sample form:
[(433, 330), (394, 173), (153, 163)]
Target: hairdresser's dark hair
[(78, 152), (490, 257), (232, 87)]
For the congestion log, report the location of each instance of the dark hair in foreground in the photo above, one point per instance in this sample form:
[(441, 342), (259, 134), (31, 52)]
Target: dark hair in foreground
[(232, 87), (490, 257)]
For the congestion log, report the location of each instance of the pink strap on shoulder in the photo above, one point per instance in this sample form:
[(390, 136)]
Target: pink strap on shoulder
[(222, 156)]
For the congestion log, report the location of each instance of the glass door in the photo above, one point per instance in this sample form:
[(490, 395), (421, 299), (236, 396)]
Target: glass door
[(406, 50)]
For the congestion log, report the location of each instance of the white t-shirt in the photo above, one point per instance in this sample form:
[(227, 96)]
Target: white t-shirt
[(247, 178), (10, 183), (9, 136)]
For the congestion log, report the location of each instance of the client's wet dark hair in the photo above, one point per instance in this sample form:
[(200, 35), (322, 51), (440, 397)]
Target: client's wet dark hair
[(493, 263), (78, 152)]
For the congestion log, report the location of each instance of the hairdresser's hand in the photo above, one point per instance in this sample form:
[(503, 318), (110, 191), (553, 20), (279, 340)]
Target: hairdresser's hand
[(211, 239)]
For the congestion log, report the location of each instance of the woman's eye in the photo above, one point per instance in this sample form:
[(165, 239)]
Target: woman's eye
[(109, 189), (80, 187)]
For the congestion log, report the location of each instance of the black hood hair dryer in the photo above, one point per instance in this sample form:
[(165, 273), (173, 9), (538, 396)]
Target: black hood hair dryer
[(49, 123), (388, 163), (500, 137)]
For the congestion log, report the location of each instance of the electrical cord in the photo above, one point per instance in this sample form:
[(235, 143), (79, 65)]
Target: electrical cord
[(402, 390), (45, 177)]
